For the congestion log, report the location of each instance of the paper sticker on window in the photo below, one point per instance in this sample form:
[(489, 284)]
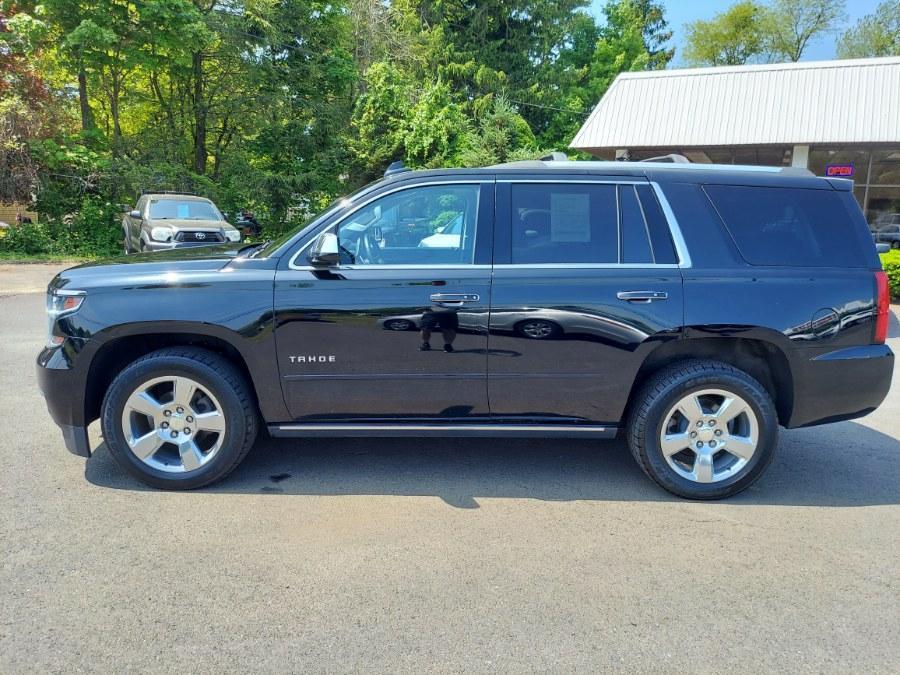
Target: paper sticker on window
[(570, 217), (183, 210)]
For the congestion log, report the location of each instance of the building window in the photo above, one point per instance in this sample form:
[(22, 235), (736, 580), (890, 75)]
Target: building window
[(876, 178)]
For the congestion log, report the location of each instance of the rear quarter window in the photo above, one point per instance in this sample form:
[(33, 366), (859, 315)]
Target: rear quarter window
[(788, 226)]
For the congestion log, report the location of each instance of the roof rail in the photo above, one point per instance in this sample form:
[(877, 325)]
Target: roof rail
[(671, 158)]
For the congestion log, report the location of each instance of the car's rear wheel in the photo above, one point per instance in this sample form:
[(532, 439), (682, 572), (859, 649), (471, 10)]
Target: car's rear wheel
[(538, 329), (399, 324), (703, 429), (179, 418)]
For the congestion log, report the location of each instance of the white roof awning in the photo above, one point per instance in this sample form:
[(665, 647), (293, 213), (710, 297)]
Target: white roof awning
[(824, 102)]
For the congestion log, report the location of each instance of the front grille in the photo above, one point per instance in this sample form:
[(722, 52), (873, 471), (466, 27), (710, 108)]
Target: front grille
[(200, 237)]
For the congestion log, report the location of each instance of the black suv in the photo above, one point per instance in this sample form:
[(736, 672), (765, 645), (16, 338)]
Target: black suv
[(691, 308)]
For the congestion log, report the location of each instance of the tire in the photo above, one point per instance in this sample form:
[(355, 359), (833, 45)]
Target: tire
[(709, 472), (538, 329), (895, 245), (215, 428)]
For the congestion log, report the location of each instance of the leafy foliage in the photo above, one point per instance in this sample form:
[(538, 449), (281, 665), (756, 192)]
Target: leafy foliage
[(876, 34), (278, 106), (750, 31), (890, 262)]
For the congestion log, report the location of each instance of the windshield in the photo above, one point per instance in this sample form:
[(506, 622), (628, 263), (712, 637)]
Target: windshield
[(338, 203), (183, 209)]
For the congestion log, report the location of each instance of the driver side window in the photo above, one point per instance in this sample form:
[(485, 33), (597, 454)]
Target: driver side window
[(420, 226)]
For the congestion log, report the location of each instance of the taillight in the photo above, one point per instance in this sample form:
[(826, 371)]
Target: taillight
[(882, 302)]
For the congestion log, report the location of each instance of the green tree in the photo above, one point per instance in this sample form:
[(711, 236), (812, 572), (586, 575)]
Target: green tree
[(731, 38), (790, 25), (876, 34), (656, 33)]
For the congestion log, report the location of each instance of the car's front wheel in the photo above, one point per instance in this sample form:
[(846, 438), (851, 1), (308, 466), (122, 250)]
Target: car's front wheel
[(703, 429), (179, 418)]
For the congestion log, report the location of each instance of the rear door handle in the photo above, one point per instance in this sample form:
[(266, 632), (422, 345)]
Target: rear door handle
[(455, 297), (641, 296)]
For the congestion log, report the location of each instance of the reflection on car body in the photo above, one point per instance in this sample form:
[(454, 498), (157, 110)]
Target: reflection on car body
[(535, 323)]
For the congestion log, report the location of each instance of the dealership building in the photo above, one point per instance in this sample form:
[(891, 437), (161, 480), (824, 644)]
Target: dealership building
[(836, 118)]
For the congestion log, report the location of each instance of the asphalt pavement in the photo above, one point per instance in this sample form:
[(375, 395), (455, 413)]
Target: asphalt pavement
[(439, 555)]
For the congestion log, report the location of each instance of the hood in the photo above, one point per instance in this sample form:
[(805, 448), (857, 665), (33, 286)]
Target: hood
[(144, 267)]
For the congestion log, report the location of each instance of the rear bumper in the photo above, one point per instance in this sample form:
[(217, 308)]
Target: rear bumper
[(841, 385), (63, 390)]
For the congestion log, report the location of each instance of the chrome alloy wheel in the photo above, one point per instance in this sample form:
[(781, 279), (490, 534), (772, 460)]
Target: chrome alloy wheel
[(537, 330), (709, 435), (173, 424)]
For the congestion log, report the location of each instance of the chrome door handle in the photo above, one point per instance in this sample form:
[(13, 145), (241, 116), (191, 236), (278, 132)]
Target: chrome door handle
[(455, 297), (641, 296)]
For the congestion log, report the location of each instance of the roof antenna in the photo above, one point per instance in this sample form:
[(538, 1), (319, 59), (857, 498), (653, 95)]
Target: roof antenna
[(395, 168)]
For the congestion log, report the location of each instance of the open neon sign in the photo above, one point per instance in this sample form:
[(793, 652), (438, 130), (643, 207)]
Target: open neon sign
[(839, 170)]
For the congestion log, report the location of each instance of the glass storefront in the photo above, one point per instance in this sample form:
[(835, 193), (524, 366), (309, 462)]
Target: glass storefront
[(876, 178)]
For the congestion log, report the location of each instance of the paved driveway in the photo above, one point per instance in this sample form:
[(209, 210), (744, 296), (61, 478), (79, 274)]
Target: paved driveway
[(447, 555)]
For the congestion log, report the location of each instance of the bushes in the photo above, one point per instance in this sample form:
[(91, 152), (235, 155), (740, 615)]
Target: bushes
[(890, 261), (93, 231)]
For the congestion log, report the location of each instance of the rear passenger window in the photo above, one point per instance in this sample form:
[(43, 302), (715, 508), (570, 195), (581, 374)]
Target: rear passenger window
[(788, 226), (588, 223), (657, 226), (564, 223), (635, 239)]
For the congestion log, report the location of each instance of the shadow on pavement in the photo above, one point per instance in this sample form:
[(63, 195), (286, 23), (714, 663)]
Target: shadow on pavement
[(845, 464)]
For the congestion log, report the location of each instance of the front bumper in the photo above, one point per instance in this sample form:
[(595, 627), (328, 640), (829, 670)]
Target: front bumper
[(63, 388), (841, 385)]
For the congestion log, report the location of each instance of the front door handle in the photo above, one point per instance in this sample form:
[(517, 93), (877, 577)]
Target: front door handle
[(641, 296), (455, 297)]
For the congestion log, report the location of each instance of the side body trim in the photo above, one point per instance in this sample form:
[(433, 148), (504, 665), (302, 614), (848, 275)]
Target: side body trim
[(437, 429)]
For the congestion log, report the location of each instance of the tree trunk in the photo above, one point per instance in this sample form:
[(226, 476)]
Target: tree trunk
[(114, 112), (87, 116), (199, 115)]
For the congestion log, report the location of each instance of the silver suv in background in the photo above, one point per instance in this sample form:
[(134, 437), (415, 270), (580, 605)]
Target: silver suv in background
[(165, 220)]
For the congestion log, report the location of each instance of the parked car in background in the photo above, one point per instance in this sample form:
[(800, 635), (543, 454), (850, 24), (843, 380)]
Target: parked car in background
[(888, 234), (167, 220)]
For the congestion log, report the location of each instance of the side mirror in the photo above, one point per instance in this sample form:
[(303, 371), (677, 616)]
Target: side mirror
[(324, 251), (135, 214)]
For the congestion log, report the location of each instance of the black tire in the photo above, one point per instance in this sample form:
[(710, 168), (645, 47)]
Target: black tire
[(214, 373), (895, 245), (664, 389)]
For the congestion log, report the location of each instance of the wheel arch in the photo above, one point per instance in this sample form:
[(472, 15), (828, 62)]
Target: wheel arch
[(764, 360), (118, 351)]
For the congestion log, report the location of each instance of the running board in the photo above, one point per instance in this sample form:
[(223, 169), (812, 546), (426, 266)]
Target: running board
[(459, 430)]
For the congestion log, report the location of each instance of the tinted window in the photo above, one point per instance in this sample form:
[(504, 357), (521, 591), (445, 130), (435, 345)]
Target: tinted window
[(784, 226), (564, 223), (635, 239), (657, 226), (422, 225)]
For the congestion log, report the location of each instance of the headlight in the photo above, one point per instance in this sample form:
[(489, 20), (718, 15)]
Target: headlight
[(161, 234), (232, 235), (60, 302)]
